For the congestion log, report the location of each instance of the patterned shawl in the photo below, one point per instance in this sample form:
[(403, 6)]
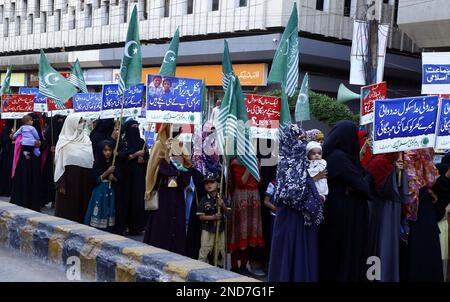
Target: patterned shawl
[(294, 188)]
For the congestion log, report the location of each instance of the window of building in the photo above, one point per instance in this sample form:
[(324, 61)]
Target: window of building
[(242, 3), (215, 5), (190, 7), (98, 3), (51, 8), (319, 5), (43, 22), (24, 7), (143, 13), (18, 26), (395, 12), (37, 8), (30, 24), (347, 7), (13, 11), (82, 5), (6, 27), (88, 14), (105, 13), (2, 11), (57, 20), (166, 8), (72, 18)]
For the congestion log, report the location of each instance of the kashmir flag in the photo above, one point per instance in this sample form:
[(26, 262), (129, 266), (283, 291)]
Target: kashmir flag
[(302, 107), (284, 68), (53, 85), (76, 77), (233, 128), (227, 68), (6, 81), (131, 66), (169, 65)]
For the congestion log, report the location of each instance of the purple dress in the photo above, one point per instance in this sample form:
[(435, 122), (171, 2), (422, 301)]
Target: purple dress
[(166, 227)]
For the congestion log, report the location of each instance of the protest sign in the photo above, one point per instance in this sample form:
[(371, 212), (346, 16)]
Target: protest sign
[(436, 73), (15, 106), (53, 108), (40, 100), (369, 94), (264, 115), (112, 101), (443, 132), (404, 124), (173, 100), (89, 104)]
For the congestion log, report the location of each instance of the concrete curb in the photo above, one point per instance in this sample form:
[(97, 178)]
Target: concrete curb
[(103, 256)]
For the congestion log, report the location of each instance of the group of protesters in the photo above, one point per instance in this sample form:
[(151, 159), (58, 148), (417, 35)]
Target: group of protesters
[(325, 210)]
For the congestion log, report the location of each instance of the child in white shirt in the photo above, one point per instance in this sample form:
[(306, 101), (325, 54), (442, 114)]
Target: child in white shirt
[(317, 165)]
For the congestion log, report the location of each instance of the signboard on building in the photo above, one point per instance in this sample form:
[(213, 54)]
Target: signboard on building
[(405, 124)]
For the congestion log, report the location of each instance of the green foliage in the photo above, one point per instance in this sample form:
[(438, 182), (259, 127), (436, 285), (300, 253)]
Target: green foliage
[(323, 107)]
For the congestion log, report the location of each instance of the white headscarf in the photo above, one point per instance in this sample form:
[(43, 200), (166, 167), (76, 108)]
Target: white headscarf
[(74, 147)]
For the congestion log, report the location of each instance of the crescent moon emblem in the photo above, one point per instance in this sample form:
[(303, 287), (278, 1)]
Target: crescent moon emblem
[(168, 52), (47, 79), (127, 46), (303, 98)]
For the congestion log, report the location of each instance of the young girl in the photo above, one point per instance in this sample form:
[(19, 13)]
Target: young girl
[(101, 210), (317, 167)]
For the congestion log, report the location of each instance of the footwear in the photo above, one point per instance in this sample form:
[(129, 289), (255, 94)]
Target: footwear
[(244, 271), (256, 271)]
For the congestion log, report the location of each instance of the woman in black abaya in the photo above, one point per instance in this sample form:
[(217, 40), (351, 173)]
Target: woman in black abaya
[(343, 234), (6, 159), (103, 130)]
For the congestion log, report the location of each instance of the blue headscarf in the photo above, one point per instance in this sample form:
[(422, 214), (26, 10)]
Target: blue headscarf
[(294, 187)]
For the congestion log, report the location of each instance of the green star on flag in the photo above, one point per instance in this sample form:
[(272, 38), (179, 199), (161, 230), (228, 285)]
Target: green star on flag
[(169, 64), (76, 77), (6, 81), (53, 85), (284, 68), (302, 107), (131, 66)]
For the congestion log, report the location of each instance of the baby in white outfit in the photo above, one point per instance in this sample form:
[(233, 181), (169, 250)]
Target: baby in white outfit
[(317, 165)]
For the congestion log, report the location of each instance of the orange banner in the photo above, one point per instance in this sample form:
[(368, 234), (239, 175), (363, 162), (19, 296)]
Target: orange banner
[(249, 74)]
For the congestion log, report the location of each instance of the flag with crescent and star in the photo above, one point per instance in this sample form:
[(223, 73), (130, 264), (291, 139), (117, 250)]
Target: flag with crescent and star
[(284, 68), (302, 107), (5, 84), (131, 66), (169, 64), (76, 77), (53, 85)]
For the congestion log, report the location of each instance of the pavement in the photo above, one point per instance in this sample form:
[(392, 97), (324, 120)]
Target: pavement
[(15, 267)]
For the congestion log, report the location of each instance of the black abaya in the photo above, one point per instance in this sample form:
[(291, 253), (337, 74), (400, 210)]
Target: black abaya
[(6, 160)]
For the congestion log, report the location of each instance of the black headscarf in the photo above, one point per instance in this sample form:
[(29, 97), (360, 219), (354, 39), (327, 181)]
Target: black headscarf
[(444, 165), (100, 162), (131, 138), (103, 130), (343, 137), (57, 123)]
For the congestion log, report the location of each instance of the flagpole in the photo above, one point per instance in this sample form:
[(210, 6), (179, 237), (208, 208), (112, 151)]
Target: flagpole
[(147, 136), (118, 136), (52, 153), (216, 237)]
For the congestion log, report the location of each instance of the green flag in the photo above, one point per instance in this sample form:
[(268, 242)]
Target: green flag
[(6, 80), (233, 127), (227, 68), (284, 68), (131, 66), (285, 114), (76, 77), (53, 85), (169, 65), (302, 106)]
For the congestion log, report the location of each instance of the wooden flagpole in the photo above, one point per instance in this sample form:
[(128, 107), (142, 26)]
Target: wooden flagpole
[(216, 237), (118, 136)]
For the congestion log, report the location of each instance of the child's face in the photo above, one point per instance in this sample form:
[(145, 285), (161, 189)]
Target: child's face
[(107, 152), (211, 186), (166, 86), (315, 154)]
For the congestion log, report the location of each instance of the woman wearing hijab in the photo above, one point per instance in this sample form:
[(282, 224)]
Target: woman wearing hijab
[(103, 130), (132, 160), (6, 158), (293, 256), (166, 227), (54, 123), (73, 164), (444, 170), (26, 174), (343, 234), (429, 195), (389, 191)]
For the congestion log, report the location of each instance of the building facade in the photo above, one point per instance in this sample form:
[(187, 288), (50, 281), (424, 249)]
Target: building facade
[(94, 30)]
